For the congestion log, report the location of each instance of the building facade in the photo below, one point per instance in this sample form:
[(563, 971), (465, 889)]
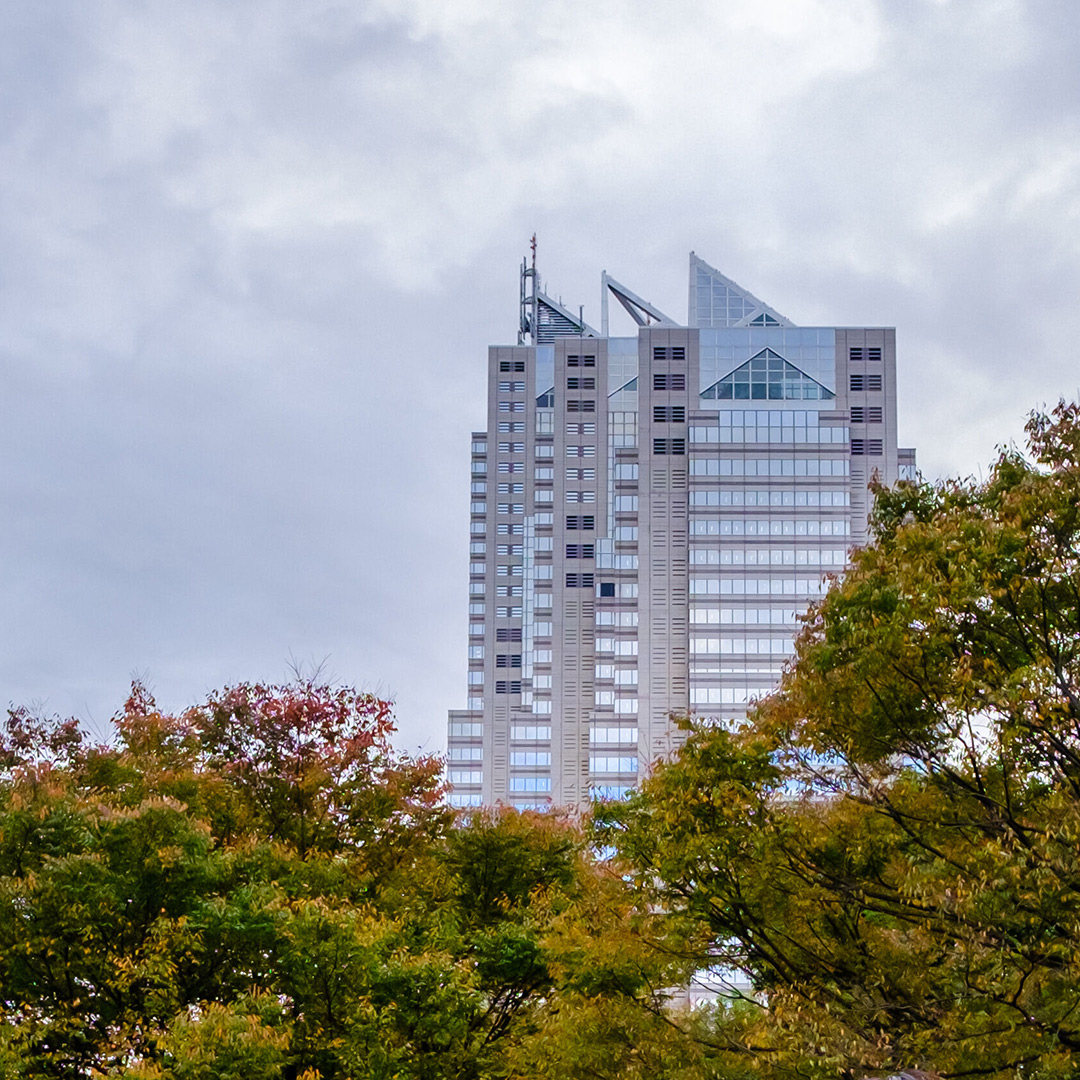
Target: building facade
[(649, 516)]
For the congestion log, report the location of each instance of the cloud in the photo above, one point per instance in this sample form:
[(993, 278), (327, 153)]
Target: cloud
[(251, 256)]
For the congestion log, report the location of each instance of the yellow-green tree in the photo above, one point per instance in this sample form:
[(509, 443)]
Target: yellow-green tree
[(890, 851)]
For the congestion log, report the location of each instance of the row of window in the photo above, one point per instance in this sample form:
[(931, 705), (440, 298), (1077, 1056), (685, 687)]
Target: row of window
[(744, 615), (716, 695), (811, 436), (581, 382), (740, 586), (778, 527), (866, 414), (702, 466), (675, 380), (669, 414), (778, 556), (606, 734), (616, 618), (750, 497), (746, 645), (610, 763)]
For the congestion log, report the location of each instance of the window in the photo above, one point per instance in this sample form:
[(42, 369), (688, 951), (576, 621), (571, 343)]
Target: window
[(529, 732), (669, 414), (542, 656), (511, 448), (580, 474), (530, 757), (545, 423), (508, 590), (626, 532), (601, 734), (544, 543), (511, 466), (512, 387), (466, 776), (580, 361), (604, 763), (477, 528), (581, 496), (476, 678), (580, 405), (869, 352), (478, 508), (623, 503), (479, 468), (466, 753), (866, 414), (675, 381), (581, 451), (544, 472), (581, 382), (511, 365), (580, 581), (511, 406), (507, 686), (509, 549), (511, 427), (478, 547), (871, 447), (672, 352), (478, 487), (580, 521), (546, 400), (506, 633), (465, 729), (768, 376), (588, 428), (530, 783), (580, 551), (506, 488), (669, 446), (508, 660), (546, 450), (626, 471), (505, 528), (865, 382), (510, 508), (607, 588), (479, 447)]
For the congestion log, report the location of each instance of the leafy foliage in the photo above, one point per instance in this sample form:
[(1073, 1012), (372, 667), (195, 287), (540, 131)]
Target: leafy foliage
[(262, 887), (889, 852)]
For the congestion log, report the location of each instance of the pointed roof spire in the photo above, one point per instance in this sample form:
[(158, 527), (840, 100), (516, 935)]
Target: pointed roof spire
[(717, 301)]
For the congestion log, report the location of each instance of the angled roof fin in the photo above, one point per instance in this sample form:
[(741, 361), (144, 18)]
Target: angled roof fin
[(641, 311)]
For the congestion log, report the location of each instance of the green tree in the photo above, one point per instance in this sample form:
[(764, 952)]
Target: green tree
[(262, 886), (890, 851)]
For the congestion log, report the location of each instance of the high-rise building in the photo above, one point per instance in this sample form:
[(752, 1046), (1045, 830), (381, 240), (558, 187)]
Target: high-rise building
[(649, 515)]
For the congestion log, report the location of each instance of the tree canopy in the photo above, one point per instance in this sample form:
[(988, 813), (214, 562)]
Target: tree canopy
[(262, 887), (890, 851)]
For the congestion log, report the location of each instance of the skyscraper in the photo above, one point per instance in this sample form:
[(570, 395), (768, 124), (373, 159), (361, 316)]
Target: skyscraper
[(649, 515)]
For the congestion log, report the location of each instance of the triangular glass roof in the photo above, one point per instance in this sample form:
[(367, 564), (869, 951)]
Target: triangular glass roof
[(717, 301), (767, 376)]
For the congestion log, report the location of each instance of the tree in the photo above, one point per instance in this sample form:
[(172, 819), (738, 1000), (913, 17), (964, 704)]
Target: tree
[(890, 851), (262, 886)]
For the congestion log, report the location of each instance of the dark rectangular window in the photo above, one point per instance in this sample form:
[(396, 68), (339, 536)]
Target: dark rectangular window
[(575, 405), (580, 551), (607, 588), (676, 380), (673, 352), (508, 686), (508, 633), (855, 354), (858, 447), (868, 414), (581, 521), (874, 447), (581, 382), (580, 361), (511, 365), (669, 446), (669, 414), (580, 581), (508, 660), (865, 382), (873, 352)]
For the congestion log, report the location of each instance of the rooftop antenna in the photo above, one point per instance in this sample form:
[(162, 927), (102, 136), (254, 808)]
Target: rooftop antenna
[(530, 286)]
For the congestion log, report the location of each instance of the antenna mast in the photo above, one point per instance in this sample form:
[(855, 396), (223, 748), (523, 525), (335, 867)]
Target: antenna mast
[(530, 286)]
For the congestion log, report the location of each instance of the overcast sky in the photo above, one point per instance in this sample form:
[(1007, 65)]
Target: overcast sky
[(252, 255)]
